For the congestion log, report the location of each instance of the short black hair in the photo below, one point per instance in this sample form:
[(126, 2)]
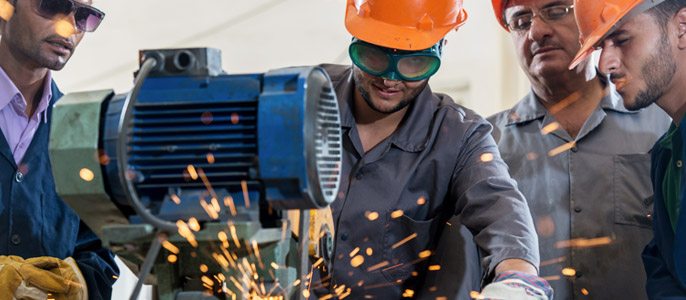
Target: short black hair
[(664, 11)]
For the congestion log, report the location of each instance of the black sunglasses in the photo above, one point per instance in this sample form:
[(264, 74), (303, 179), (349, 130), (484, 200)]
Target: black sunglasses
[(87, 18)]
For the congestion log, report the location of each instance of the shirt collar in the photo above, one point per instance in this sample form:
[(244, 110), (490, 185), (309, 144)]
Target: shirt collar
[(9, 91), (530, 108), (46, 98)]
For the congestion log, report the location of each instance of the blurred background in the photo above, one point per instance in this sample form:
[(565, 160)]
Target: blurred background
[(479, 69)]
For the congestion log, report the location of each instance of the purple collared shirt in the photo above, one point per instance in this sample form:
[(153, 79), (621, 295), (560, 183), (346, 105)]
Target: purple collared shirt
[(18, 128)]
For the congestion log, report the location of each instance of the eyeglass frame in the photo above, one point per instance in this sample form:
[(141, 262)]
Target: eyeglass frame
[(568, 9), (395, 55), (75, 6)]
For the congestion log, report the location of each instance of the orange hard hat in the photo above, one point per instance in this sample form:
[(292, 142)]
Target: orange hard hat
[(598, 19), (403, 24), (499, 10)]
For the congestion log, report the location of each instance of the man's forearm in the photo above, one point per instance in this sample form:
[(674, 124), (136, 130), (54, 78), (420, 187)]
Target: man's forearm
[(517, 265)]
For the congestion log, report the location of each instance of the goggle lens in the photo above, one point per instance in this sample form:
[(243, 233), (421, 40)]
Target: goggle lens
[(87, 18)]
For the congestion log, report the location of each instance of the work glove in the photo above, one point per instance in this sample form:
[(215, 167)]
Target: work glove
[(38, 277), (517, 286)]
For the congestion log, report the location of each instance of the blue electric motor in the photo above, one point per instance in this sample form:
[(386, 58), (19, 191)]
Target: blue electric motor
[(193, 134)]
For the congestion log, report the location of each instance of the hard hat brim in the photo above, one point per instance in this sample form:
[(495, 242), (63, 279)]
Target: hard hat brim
[(397, 37)]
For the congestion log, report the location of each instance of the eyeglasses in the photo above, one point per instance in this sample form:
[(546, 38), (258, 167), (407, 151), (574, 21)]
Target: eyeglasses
[(523, 22), (87, 18), (395, 64)]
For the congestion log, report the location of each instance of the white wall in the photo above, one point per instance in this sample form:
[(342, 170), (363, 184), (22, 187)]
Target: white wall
[(255, 36)]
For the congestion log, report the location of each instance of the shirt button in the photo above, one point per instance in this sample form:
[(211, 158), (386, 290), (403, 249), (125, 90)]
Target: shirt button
[(577, 209), (16, 239), (344, 237), (19, 177), (679, 163), (358, 176), (575, 149)]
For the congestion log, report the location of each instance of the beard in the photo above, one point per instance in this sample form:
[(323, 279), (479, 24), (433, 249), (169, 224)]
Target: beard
[(658, 71), (359, 79)]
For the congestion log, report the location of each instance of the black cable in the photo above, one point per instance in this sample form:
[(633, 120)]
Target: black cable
[(122, 152)]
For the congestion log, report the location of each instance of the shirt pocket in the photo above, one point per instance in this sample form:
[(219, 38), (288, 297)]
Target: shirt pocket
[(632, 190), (403, 240)]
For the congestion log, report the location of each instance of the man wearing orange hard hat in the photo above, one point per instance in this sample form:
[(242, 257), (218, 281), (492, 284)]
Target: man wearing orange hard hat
[(413, 159), (643, 47), (569, 143)]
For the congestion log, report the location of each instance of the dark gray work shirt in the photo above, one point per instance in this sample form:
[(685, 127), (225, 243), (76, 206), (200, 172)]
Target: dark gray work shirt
[(440, 162), (599, 189)]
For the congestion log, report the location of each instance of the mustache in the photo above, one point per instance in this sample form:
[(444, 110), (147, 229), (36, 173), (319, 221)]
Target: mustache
[(546, 43)]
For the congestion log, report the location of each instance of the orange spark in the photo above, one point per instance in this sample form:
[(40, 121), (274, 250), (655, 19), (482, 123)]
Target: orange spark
[(421, 201), (170, 247), (569, 272), (370, 251), (175, 198), (405, 240), (408, 293), (235, 118), (371, 215), (257, 253), (193, 224), (397, 214), (228, 202), (486, 157), (377, 266), (434, 267), (562, 148), (550, 128), (232, 228), (86, 174), (210, 158), (584, 243), (246, 196), (172, 258), (357, 261), (192, 172), (354, 252)]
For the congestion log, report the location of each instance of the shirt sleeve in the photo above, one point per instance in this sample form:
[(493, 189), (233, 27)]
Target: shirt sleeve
[(490, 204), (96, 264)]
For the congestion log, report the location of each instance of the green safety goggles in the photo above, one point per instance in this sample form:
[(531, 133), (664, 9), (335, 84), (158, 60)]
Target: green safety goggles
[(395, 64)]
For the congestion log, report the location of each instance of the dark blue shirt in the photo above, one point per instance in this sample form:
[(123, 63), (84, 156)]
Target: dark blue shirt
[(34, 221), (665, 257)]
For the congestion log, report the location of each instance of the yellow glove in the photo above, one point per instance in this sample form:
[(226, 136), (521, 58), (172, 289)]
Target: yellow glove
[(61, 278), (34, 278), (12, 285)]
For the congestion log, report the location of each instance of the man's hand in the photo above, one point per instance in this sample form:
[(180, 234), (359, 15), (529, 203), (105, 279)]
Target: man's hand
[(513, 285), (34, 278)]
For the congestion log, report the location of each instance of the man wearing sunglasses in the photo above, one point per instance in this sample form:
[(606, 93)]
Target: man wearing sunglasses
[(579, 157), (413, 159), (44, 248)]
